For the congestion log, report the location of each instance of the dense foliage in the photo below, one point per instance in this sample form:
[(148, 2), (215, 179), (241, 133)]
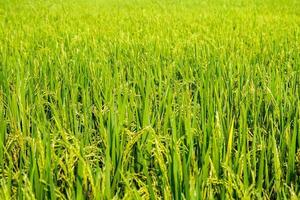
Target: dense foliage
[(141, 99)]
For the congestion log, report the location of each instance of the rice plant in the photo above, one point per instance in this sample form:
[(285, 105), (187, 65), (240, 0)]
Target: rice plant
[(146, 99)]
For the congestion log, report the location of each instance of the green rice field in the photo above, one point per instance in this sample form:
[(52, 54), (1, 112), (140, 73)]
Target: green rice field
[(149, 99)]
